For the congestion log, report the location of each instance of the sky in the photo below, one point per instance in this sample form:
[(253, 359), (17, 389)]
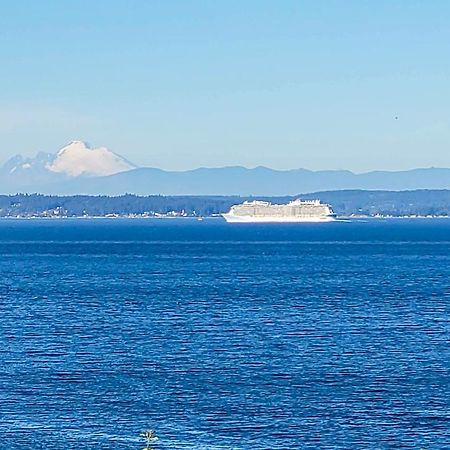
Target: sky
[(321, 84)]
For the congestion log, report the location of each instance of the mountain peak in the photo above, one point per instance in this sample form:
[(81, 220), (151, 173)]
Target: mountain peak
[(79, 158), (75, 144)]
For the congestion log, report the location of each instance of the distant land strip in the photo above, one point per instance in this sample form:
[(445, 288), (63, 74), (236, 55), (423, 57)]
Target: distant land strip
[(345, 203)]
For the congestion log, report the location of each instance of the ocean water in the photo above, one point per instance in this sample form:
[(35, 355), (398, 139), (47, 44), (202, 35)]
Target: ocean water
[(219, 336)]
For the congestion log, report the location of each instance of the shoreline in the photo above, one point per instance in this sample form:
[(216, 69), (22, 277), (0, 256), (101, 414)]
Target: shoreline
[(201, 218)]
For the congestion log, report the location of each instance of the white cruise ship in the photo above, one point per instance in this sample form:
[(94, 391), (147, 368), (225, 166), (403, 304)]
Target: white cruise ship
[(295, 211)]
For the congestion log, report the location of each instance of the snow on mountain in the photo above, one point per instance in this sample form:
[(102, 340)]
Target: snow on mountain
[(78, 158), (18, 163), (79, 169), (73, 160)]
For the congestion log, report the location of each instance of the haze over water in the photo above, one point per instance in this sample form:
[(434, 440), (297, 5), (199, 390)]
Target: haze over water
[(330, 336)]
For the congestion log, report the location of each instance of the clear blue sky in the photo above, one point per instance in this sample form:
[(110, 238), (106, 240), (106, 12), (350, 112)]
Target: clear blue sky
[(182, 84)]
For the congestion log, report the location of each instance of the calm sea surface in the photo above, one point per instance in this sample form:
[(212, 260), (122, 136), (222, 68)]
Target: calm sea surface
[(219, 336)]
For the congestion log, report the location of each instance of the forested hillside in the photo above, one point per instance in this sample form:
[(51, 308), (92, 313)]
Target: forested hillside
[(344, 203)]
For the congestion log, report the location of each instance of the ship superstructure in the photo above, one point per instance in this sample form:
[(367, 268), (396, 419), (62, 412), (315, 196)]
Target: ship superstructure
[(295, 211)]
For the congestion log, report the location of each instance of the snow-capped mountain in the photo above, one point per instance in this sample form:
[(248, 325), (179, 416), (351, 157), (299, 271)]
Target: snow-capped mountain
[(78, 159), (75, 160), (79, 169)]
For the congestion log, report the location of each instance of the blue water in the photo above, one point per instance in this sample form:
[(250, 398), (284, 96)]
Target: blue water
[(219, 336)]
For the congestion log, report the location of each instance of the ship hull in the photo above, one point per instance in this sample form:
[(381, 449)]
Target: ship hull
[(231, 218)]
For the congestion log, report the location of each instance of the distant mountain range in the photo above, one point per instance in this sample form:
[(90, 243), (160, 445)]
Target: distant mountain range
[(48, 172), (79, 169)]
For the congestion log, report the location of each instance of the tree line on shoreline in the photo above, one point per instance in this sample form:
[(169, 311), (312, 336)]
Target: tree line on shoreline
[(344, 203)]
